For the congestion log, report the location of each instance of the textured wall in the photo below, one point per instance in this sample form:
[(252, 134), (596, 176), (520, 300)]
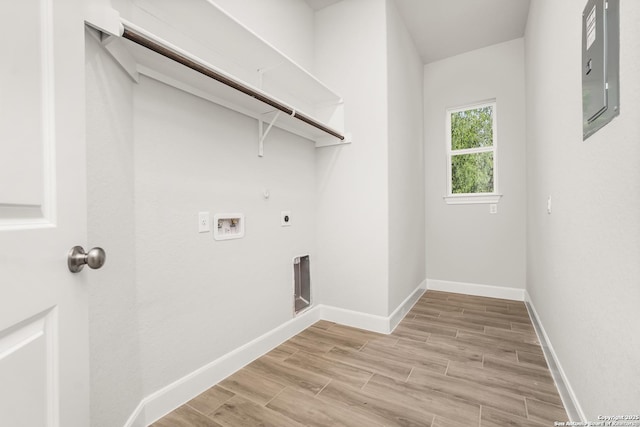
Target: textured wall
[(406, 162), (116, 384), (583, 269), (465, 243), (287, 24), (198, 298), (352, 180), (170, 299)]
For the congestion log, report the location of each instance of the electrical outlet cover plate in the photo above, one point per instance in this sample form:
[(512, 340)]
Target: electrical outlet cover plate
[(203, 222), (228, 226), (285, 218)]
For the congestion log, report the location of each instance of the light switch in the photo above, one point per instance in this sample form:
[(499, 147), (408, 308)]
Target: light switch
[(203, 222)]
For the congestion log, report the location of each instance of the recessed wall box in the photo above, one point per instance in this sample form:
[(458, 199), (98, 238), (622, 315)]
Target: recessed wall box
[(301, 284), (600, 64), (228, 226)]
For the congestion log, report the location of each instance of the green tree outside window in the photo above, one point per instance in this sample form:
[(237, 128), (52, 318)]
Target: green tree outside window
[(472, 150)]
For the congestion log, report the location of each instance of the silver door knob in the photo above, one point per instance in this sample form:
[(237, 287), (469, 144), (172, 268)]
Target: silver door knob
[(77, 258)]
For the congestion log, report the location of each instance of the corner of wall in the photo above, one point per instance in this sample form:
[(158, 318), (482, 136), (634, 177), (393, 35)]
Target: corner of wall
[(405, 161), (353, 274)]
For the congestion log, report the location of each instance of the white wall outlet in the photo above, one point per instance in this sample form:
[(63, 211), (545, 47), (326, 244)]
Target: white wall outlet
[(549, 205), (228, 226), (493, 208), (203, 222), (285, 218)]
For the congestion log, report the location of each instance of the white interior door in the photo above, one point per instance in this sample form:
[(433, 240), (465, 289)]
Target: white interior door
[(43, 306)]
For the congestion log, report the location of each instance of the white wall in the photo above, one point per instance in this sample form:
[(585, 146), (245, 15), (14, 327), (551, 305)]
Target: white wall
[(584, 274), (352, 181), (287, 24), (406, 162), (116, 384), (181, 299), (171, 300), (198, 298), (464, 242)]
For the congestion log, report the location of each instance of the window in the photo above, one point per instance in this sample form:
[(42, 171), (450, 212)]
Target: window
[(471, 154)]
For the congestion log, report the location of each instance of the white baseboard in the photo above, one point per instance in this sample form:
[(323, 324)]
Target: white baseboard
[(405, 306), (137, 418), (568, 396), (371, 322), (160, 403), (355, 319), (513, 294)]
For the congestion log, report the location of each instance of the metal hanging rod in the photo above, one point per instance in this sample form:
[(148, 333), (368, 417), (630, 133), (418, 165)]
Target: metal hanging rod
[(146, 42)]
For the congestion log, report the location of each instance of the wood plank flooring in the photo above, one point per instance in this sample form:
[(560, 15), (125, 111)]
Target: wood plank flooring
[(454, 361)]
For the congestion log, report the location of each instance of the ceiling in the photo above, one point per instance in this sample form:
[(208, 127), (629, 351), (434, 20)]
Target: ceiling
[(443, 28)]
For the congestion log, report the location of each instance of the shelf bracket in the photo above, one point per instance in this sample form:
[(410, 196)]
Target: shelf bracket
[(263, 134), (114, 47)]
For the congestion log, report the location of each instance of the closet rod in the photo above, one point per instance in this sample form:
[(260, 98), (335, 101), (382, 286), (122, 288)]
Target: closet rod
[(181, 59)]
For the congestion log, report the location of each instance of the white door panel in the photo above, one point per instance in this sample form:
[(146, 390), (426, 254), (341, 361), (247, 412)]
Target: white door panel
[(43, 306), (26, 107), (27, 362)]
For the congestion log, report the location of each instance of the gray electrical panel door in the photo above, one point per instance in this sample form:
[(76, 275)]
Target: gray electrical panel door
[(594, 80), (600, 64)]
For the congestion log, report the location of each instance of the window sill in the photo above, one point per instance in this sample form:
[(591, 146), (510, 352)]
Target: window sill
[(472, 199)]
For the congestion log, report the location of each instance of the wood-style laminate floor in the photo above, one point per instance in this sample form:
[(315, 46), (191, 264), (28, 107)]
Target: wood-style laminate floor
[(454, 361)]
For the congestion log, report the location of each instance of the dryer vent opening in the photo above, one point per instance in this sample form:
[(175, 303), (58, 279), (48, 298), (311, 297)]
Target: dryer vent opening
[(302, 283)]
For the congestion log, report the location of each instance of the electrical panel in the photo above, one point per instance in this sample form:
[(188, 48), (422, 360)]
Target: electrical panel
[(600, 64)]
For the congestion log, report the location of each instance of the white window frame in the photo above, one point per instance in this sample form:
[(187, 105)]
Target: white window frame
[(473, 198)]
